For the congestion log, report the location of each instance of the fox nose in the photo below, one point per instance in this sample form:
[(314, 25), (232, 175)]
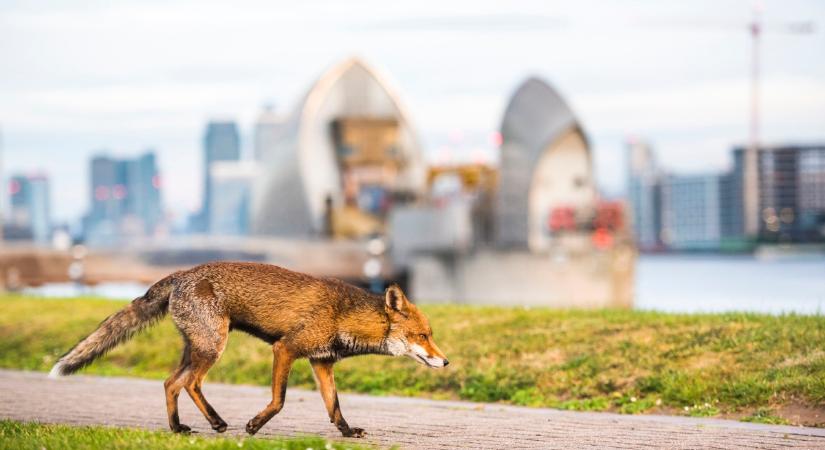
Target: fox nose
[(446, 363)]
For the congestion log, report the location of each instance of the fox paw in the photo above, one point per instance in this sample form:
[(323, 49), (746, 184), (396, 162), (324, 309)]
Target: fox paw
[(220, 427), (181, 428), (252, 427), (354, 432)]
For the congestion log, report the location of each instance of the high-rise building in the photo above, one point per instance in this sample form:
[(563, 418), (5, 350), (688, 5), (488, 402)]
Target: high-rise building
[(644, 195), (733, 204), (811, 192), (708, 211), (104, 204), (692, 213), (232, 183), (221, 142), (143, 185), (267, 131), (29, 216), (777, 193), (792, 192), (125, 198)]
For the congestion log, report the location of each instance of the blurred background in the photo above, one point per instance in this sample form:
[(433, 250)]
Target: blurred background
[(635, 154)]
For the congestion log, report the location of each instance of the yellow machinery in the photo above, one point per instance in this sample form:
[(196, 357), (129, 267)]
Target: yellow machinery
[(367, 152), (474, 177)]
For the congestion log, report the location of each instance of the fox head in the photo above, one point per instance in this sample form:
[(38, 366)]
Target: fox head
[(410, 333)]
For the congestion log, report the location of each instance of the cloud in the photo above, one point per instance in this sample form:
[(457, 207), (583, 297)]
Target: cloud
[(136, 74), (718, 104), (473, 23)]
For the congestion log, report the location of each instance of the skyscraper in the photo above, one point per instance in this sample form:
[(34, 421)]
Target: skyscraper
[(221, 142), (103, 179), (232, 181), (644, 194), (30, 209), (811, 178), (267, 130), (125, 198), (792, 192), (143, 185), (692, 211)]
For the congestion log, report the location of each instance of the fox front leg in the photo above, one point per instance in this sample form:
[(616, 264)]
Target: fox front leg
[(326, 384)]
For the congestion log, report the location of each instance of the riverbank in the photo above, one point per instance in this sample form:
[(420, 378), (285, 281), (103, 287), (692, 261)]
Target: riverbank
[(759, 368)]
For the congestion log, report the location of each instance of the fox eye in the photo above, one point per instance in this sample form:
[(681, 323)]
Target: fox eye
[(423, 336)]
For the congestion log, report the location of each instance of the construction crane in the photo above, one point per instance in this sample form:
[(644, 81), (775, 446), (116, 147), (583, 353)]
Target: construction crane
[(755, 28), (751, 163)]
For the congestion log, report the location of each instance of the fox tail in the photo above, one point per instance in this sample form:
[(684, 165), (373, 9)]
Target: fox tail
[(117, 328)]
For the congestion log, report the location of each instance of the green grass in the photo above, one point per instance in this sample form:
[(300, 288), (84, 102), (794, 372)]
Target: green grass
[(24, 436), (765, 415), (729, 365)]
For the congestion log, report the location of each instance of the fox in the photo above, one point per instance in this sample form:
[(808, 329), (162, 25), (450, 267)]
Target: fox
[(301, 316)]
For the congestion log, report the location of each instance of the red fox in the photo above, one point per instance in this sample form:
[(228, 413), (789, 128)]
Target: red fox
[(323, 320)]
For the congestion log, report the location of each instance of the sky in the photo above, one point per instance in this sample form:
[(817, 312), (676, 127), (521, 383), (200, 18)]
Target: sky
[(80, 78)]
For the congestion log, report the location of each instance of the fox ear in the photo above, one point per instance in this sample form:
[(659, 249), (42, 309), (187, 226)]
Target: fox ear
[(395, 298)]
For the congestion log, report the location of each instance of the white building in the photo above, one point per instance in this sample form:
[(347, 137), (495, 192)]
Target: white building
[(545, 167), (545, 164), (349, 142)]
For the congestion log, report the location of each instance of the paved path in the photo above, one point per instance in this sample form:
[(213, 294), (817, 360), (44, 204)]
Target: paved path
[(409, 423)]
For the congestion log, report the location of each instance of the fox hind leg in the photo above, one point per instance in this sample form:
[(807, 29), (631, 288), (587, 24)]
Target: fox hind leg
[(281, 366), (173, 386), (189, 375), (205, 331), (201, 363)]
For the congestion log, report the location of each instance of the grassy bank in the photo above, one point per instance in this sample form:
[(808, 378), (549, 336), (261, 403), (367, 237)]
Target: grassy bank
[(24, 436), (751, 367)]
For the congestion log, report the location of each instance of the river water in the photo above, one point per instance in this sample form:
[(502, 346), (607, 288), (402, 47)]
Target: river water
[(715, 283), (670, 283)]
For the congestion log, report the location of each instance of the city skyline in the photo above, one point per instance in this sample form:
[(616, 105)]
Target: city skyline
[(688, 212), (627, 68)]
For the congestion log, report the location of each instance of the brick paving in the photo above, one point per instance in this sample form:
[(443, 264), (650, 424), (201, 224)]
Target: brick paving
[(408, 423)]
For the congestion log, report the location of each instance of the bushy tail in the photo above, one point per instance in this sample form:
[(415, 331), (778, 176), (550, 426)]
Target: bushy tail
[(120, 326)]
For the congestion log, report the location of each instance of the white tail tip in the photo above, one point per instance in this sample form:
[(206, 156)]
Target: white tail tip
[(57, 370)]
